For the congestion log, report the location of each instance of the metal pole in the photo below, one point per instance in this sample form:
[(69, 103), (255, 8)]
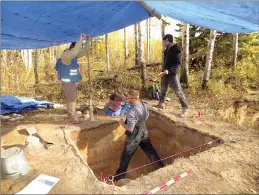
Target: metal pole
[(151, 11)]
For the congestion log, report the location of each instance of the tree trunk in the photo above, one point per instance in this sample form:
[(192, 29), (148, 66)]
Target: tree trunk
[(163, 34), (141, 55), (36, 75), (235, 50), (51, 56), (47, 63), (163, 28), (26, 58), (91, 110), (136, 44), (23, 56), (58, 54), (30, 58), (209, 56), (185, 56), (107, 53), (126, 47), (16, 71), (4, 62), (148, 40), (147, 65)]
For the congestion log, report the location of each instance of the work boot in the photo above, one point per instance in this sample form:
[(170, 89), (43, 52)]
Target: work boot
[(161, 105), (184, 112)]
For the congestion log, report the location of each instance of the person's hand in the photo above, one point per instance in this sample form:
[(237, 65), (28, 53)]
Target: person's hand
[(88, 38), (121, 121), (165, 71), (82, 37)]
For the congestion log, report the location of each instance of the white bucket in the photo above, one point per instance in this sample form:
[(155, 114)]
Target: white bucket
[(14, 163)]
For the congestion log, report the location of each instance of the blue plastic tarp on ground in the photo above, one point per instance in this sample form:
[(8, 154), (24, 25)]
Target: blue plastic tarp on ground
[(14, 104), (38, 24)]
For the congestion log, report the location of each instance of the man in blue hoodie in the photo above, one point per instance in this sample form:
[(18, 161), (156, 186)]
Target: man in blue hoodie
[(137, 134)]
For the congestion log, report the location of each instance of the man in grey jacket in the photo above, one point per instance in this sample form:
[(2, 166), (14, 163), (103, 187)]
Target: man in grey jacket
[(137, 135)]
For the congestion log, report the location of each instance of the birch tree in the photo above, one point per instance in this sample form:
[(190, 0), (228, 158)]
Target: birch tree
[(126, 47), (141, 55), (4, 62), (27, 57), (235, 50), (91, 110), (185, 55), (163, 25), (58, 53), (209, 58), (136, 44), (36, 75), (107, 53), (51, 56), (4, 59), (148, 40)]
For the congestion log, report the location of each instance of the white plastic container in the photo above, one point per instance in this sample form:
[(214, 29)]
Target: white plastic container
[(56, 106), (14, 163)]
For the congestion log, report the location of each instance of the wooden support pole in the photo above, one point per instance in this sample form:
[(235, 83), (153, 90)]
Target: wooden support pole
[(90, 88)]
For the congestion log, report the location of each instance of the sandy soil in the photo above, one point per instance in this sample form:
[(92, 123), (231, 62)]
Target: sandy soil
[(231, 167)]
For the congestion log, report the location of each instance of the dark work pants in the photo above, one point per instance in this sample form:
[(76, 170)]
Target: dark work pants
[(128, 152), (173, 82)]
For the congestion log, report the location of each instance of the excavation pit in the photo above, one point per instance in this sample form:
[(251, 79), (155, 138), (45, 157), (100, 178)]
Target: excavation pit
[(101, 147)]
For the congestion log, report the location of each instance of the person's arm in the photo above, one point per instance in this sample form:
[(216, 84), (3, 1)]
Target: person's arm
[(85, 50), (70, 54), (82, 53), (132, 120)]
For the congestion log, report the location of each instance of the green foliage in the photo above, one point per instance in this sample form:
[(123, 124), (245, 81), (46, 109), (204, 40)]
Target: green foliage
[(248, 74)]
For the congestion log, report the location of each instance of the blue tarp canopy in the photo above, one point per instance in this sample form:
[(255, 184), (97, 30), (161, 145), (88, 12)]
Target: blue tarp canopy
[(41, 24), (14, 104)]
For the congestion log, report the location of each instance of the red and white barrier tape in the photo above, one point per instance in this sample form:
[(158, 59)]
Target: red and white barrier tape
[(170, 182)]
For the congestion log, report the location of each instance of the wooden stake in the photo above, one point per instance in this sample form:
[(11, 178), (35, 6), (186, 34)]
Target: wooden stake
[(90, 87)]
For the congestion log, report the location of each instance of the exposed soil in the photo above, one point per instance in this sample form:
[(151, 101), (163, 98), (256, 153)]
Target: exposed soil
[(231, 167), (101, 147)]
